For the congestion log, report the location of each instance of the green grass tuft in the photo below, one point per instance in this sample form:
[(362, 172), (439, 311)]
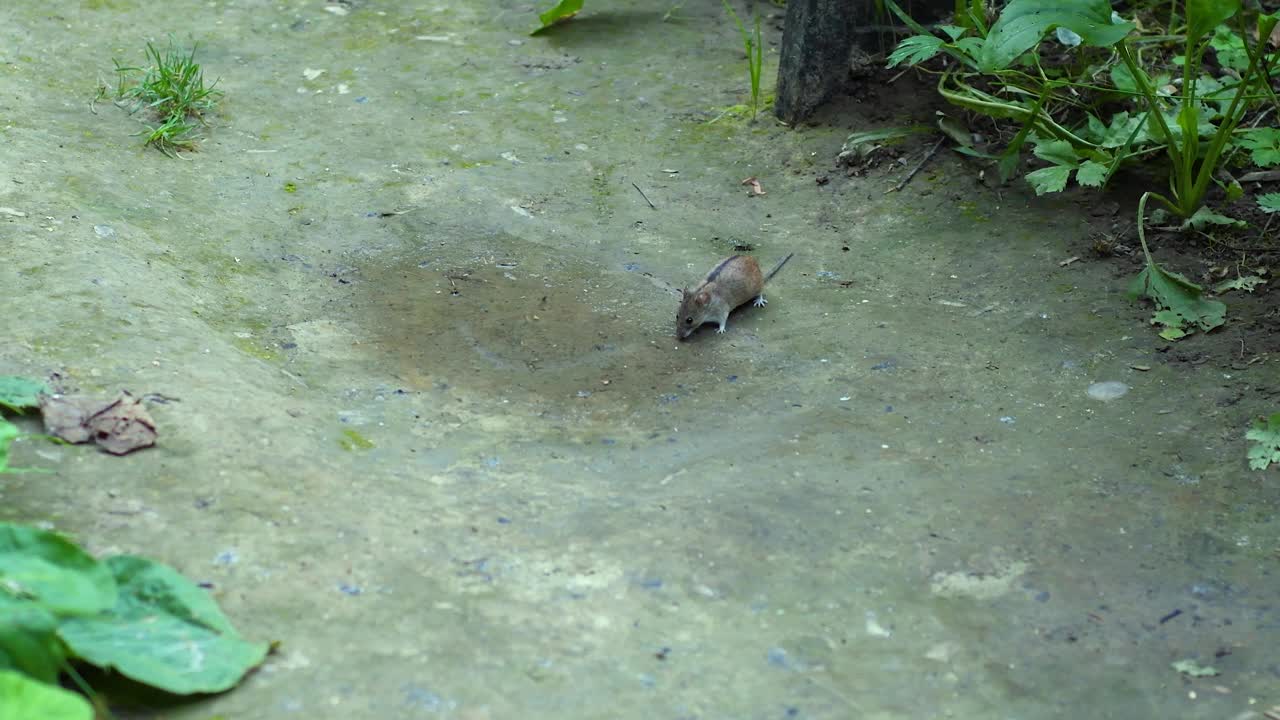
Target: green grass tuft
[(170, 90)]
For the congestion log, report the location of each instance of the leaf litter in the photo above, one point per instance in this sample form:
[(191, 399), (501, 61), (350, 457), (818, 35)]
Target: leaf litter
[(119, 424)]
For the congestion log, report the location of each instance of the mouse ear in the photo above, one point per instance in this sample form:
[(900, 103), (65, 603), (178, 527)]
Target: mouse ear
[(703, 298)]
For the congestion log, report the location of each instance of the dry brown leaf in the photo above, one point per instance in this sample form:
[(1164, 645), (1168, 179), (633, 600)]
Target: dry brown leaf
[(119, 425), (755, 185)]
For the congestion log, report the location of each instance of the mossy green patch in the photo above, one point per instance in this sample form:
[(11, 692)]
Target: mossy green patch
[(352, 441), (251, 347)]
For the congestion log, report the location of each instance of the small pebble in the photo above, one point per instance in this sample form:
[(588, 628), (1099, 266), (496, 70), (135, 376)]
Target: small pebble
[(104, 231), (1109, 390)]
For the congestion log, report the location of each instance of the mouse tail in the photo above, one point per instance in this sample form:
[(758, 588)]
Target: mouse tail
[(769, 276)]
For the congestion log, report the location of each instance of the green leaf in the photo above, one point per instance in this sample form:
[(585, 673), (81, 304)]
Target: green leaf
[(1050, 179), (1205, 15), (1205, 217), (564, 10), (28, 639), (915, 50), (1179, 301), (956, 130), (1263, 145), (1058, 152), (971, 46), (164, 632), (1194, 669), (1122, 78), (953, 31), (8, 433), (1118, 132), (22, 698), (1091, 174), (1023, 23), (1269, 203), (866, 142), (1265, 436), (18, 393), (1230, 49), (49, 569), (1233, 189)]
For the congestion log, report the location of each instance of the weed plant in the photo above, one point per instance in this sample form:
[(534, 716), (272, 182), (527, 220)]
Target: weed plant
[(170, 90), (751, 43), (1089, 90)]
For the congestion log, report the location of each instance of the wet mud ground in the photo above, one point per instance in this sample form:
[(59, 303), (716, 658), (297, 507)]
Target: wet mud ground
[(433, 433)]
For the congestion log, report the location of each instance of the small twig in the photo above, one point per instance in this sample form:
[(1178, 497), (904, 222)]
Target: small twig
[(646, 197), (1260, 176), (1270, 217), (895, 77), (903, 183)]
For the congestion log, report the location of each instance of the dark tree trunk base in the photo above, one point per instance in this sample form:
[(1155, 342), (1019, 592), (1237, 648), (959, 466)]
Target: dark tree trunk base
[(816, 45)]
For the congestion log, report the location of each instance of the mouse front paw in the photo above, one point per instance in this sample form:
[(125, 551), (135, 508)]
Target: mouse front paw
[(760, 301)]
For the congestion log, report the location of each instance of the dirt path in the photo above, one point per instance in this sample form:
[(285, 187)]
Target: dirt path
[(454, 460)]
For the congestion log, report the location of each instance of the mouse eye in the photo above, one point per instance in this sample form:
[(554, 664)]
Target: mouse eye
[(688, 321)]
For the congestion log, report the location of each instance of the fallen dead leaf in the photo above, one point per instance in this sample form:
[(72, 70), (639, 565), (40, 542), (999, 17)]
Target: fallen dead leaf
[(119, 425), (755, 186)]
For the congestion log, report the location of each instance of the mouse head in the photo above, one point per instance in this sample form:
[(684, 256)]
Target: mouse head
[(692, 312)]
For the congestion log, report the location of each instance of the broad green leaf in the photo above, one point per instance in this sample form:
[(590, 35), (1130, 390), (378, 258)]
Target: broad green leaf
[(1179, 301), (1091, 174), (1205, 217), (1229, 49), (971, 46), (164, 632), (1050, 179), (28, 639), (1123, 79), (1205, 15), (49, 569), (563, 10), (1263, 145), (18, 393), (953, 31), (23, 698), (915, 50), (1023, 23), (1058, 152), (1118, 132), (1265, 439), (1270, 202)]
